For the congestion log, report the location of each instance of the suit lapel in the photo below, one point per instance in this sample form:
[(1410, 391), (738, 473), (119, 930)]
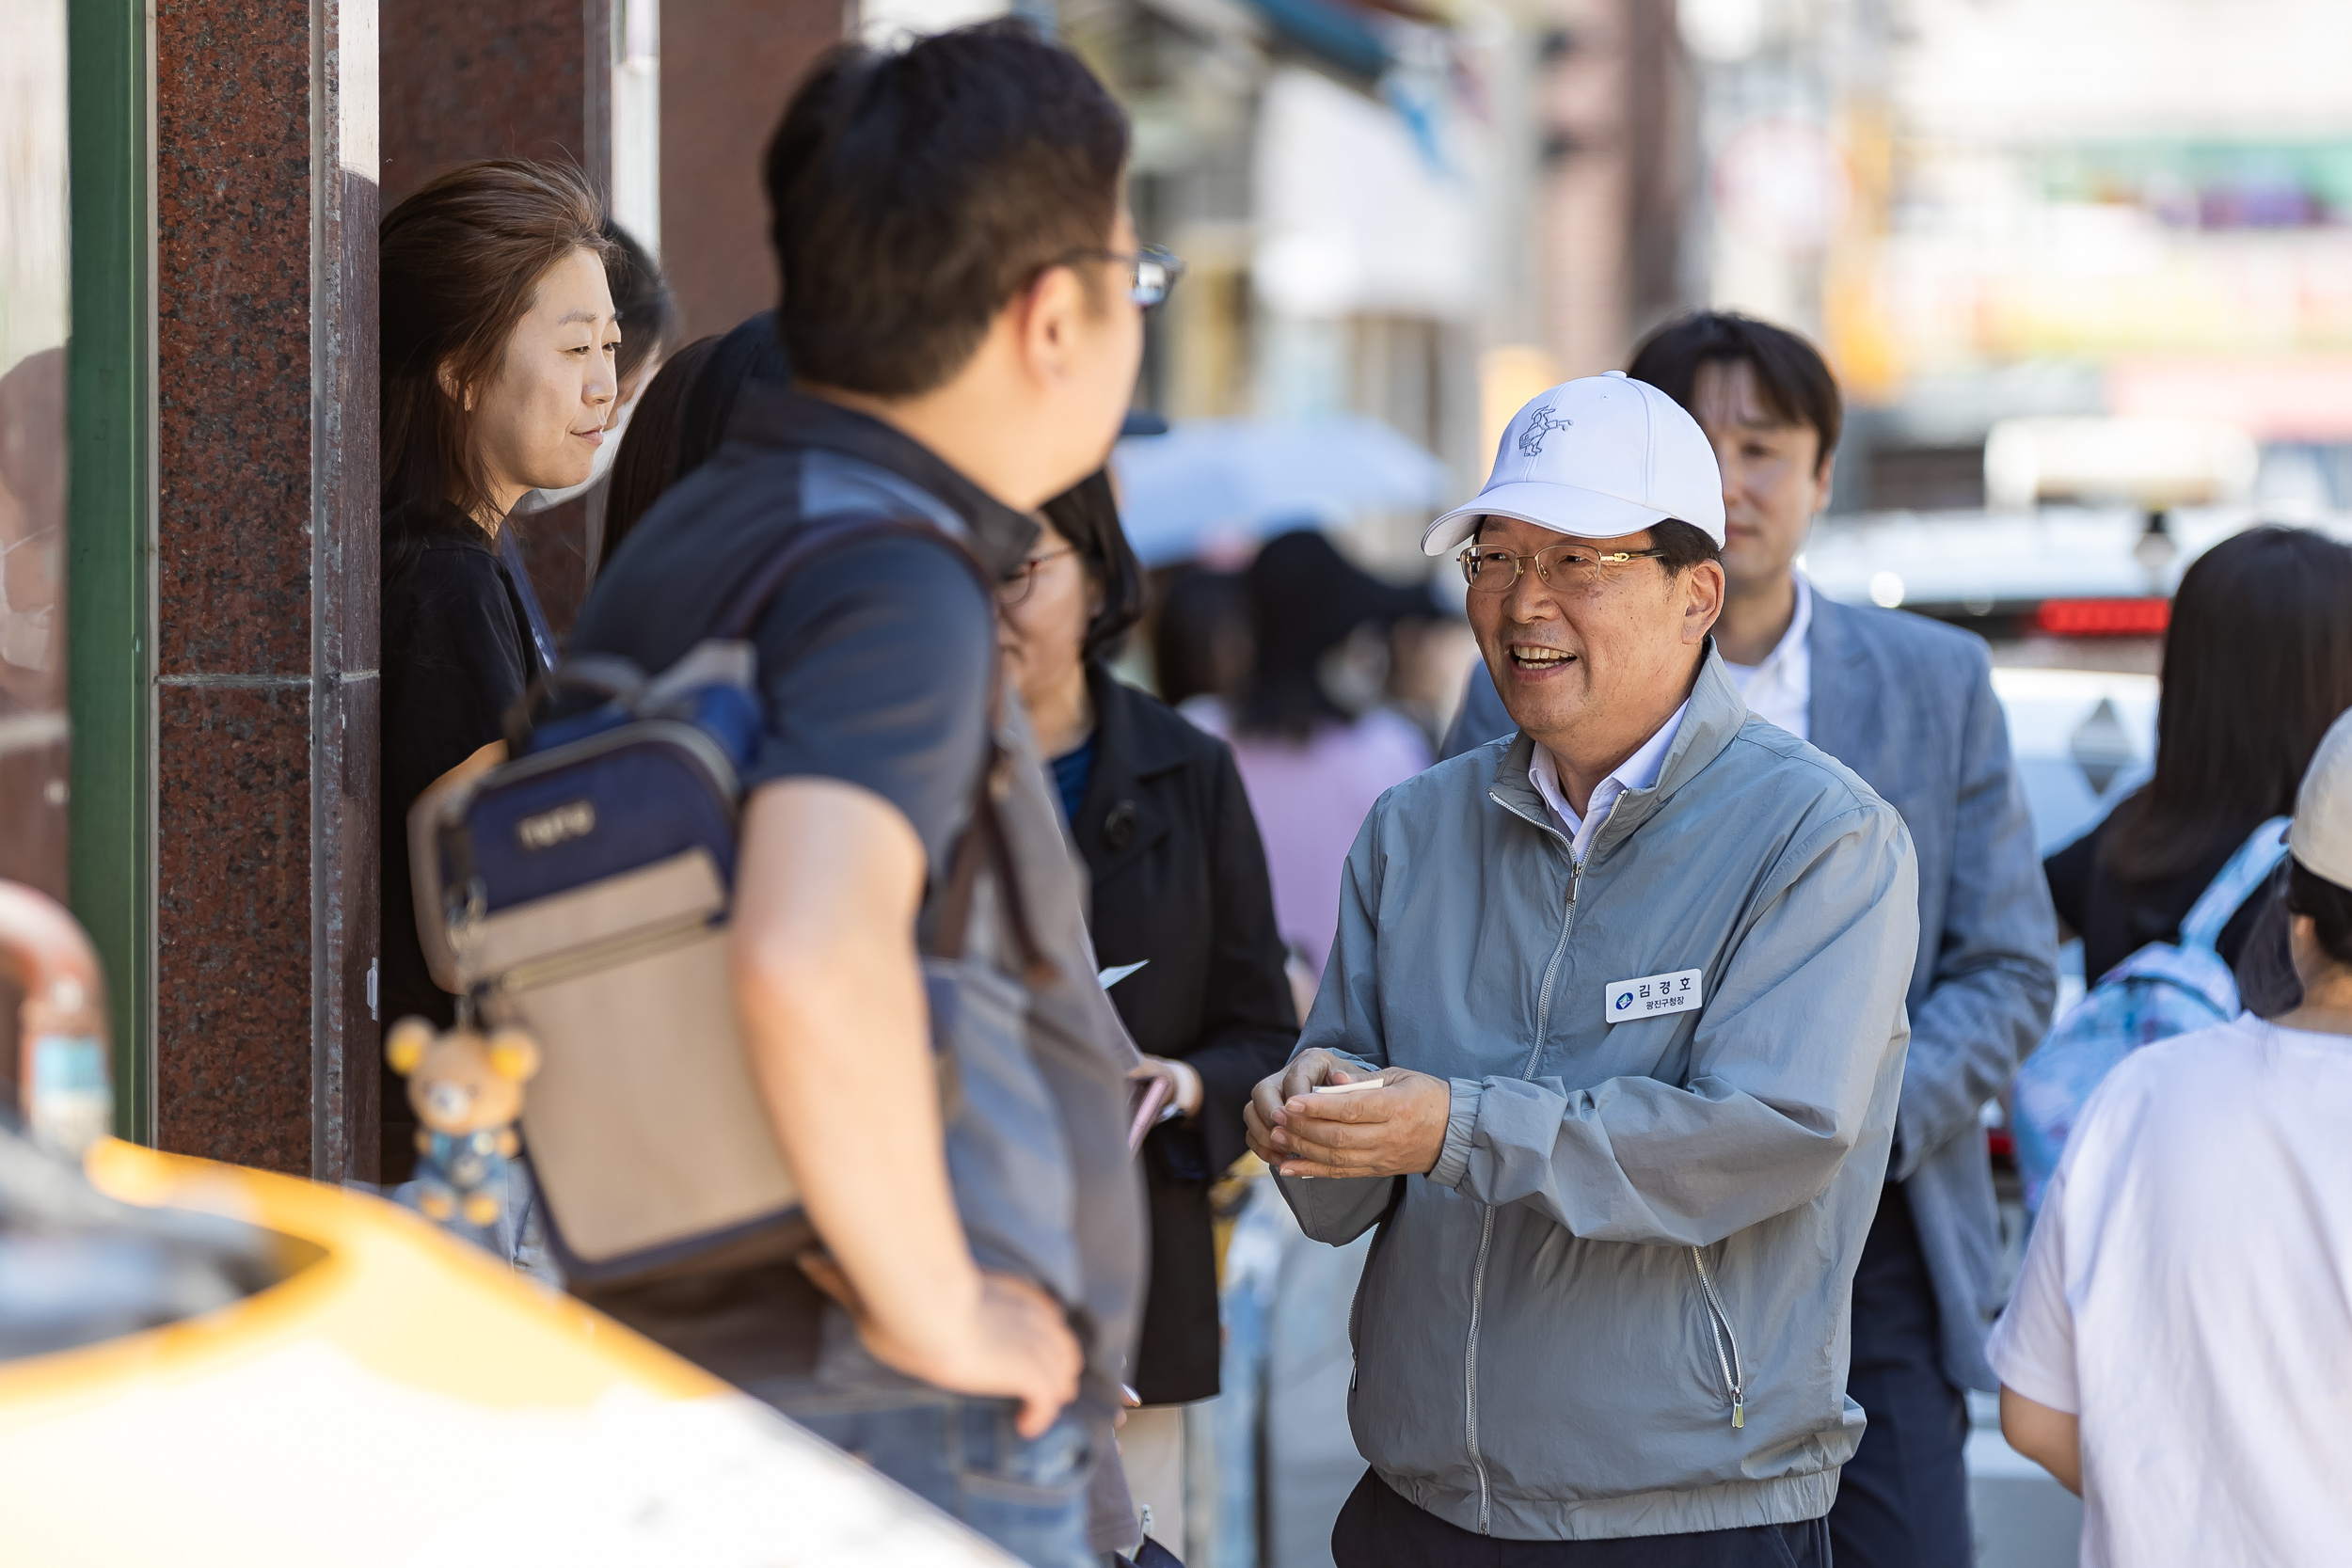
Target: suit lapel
[(1839, 709)]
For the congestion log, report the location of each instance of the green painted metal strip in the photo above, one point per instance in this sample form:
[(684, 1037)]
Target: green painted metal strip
[(110, 534)]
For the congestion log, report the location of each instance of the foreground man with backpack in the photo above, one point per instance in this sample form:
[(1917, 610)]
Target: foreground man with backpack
[(1632, 984), (963, 304)]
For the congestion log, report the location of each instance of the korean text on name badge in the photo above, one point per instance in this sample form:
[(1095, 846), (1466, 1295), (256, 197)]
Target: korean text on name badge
[(1678, 992)]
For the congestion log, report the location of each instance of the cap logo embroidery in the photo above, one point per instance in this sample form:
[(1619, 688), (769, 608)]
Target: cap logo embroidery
[(1540, 424)]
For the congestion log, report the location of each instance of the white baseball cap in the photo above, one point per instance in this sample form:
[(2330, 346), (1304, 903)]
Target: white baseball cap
[(2321, 835), (1596, 457)]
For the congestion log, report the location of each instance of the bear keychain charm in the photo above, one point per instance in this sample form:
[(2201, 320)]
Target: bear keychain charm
[(467, 1089)]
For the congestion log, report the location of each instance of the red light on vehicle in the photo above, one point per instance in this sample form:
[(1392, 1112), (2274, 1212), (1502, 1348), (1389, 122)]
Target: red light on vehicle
[(2104, 617)]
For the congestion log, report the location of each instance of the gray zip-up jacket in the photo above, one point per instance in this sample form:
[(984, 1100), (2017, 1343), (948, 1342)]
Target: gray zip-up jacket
[(1618, 1303)]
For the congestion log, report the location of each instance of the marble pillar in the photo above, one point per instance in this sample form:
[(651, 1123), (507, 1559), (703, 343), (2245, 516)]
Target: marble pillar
[(729, 68), (265, 596), (465, 79)]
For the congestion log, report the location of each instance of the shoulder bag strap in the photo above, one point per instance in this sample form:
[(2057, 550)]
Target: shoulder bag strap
[(742, 610), (982, 844), (2254, 860)]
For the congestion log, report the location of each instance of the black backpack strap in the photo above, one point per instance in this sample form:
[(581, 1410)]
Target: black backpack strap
[(984, 839)]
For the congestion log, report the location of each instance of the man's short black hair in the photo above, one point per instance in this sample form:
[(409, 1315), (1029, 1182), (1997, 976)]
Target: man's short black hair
[(1790, 375), (914, 191), (650, 318), (1685, 544)]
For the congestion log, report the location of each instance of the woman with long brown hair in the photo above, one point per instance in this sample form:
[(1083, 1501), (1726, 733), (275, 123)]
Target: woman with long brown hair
[(499, 376), (2257, 664)]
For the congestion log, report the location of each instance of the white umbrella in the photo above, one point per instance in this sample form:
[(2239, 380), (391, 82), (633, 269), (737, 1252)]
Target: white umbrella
[(1212, 482)]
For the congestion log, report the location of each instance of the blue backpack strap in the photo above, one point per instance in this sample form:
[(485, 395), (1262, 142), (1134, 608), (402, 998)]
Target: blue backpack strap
[(2254, 860), (983, 843), (606, 675)]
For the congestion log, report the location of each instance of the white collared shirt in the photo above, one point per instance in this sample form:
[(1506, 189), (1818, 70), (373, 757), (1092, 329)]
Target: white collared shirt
[(1638, 771), (1780, 690)]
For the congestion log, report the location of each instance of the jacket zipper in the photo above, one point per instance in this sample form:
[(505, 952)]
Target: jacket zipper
[(1469, 1367), (1719, 1325), (1487, 1224)]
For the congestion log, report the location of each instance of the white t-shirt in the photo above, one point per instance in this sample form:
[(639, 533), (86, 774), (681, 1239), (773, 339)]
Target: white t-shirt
[(2189, 1294)]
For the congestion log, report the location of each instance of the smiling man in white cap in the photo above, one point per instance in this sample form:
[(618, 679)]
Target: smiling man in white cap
[(1630, 983)]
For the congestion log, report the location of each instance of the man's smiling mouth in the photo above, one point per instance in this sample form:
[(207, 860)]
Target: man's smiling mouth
[(1535, 657)]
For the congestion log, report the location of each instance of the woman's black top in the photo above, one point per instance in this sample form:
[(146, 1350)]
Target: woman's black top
[(457, 652), (1179, 880), (2117, 918)]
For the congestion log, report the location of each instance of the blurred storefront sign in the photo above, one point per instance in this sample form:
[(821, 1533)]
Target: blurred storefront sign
[(1357, 213), (2304, 398), (2148, 462), (1783, 185)]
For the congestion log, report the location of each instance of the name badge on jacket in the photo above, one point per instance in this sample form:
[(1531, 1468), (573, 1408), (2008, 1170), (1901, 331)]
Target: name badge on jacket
[(1678, 992)]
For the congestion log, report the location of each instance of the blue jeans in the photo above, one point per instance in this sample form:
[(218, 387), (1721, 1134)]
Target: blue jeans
[(964, 1457)]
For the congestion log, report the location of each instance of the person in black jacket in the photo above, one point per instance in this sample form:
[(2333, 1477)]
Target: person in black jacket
[(1180, 887), (500, 342)]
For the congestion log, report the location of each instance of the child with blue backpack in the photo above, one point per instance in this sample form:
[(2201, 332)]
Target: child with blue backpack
[(2175, 1348)]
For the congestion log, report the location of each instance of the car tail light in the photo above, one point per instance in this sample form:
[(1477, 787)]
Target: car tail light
[(2104, 617)]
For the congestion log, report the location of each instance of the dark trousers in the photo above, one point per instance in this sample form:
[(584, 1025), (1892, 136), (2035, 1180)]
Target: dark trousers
[(1902, 1500), (1379, 1529)]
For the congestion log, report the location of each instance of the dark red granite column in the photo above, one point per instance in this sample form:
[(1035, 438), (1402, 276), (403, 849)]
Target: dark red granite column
[(728, 67), (495, 79), (266, 588)]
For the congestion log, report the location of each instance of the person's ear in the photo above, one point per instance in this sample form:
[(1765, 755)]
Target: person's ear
[(1702, 601), (451, 389), (2304, 954), (1824, 480), (1047, 317)]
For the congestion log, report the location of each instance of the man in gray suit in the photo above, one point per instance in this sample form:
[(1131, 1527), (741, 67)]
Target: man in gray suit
[(1908, 704)]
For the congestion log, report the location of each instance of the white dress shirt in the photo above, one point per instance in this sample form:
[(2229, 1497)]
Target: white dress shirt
[(1638, 771), (1780, 690)]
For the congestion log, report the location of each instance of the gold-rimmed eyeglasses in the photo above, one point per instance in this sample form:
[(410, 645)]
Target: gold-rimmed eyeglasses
[(1570, 568)]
